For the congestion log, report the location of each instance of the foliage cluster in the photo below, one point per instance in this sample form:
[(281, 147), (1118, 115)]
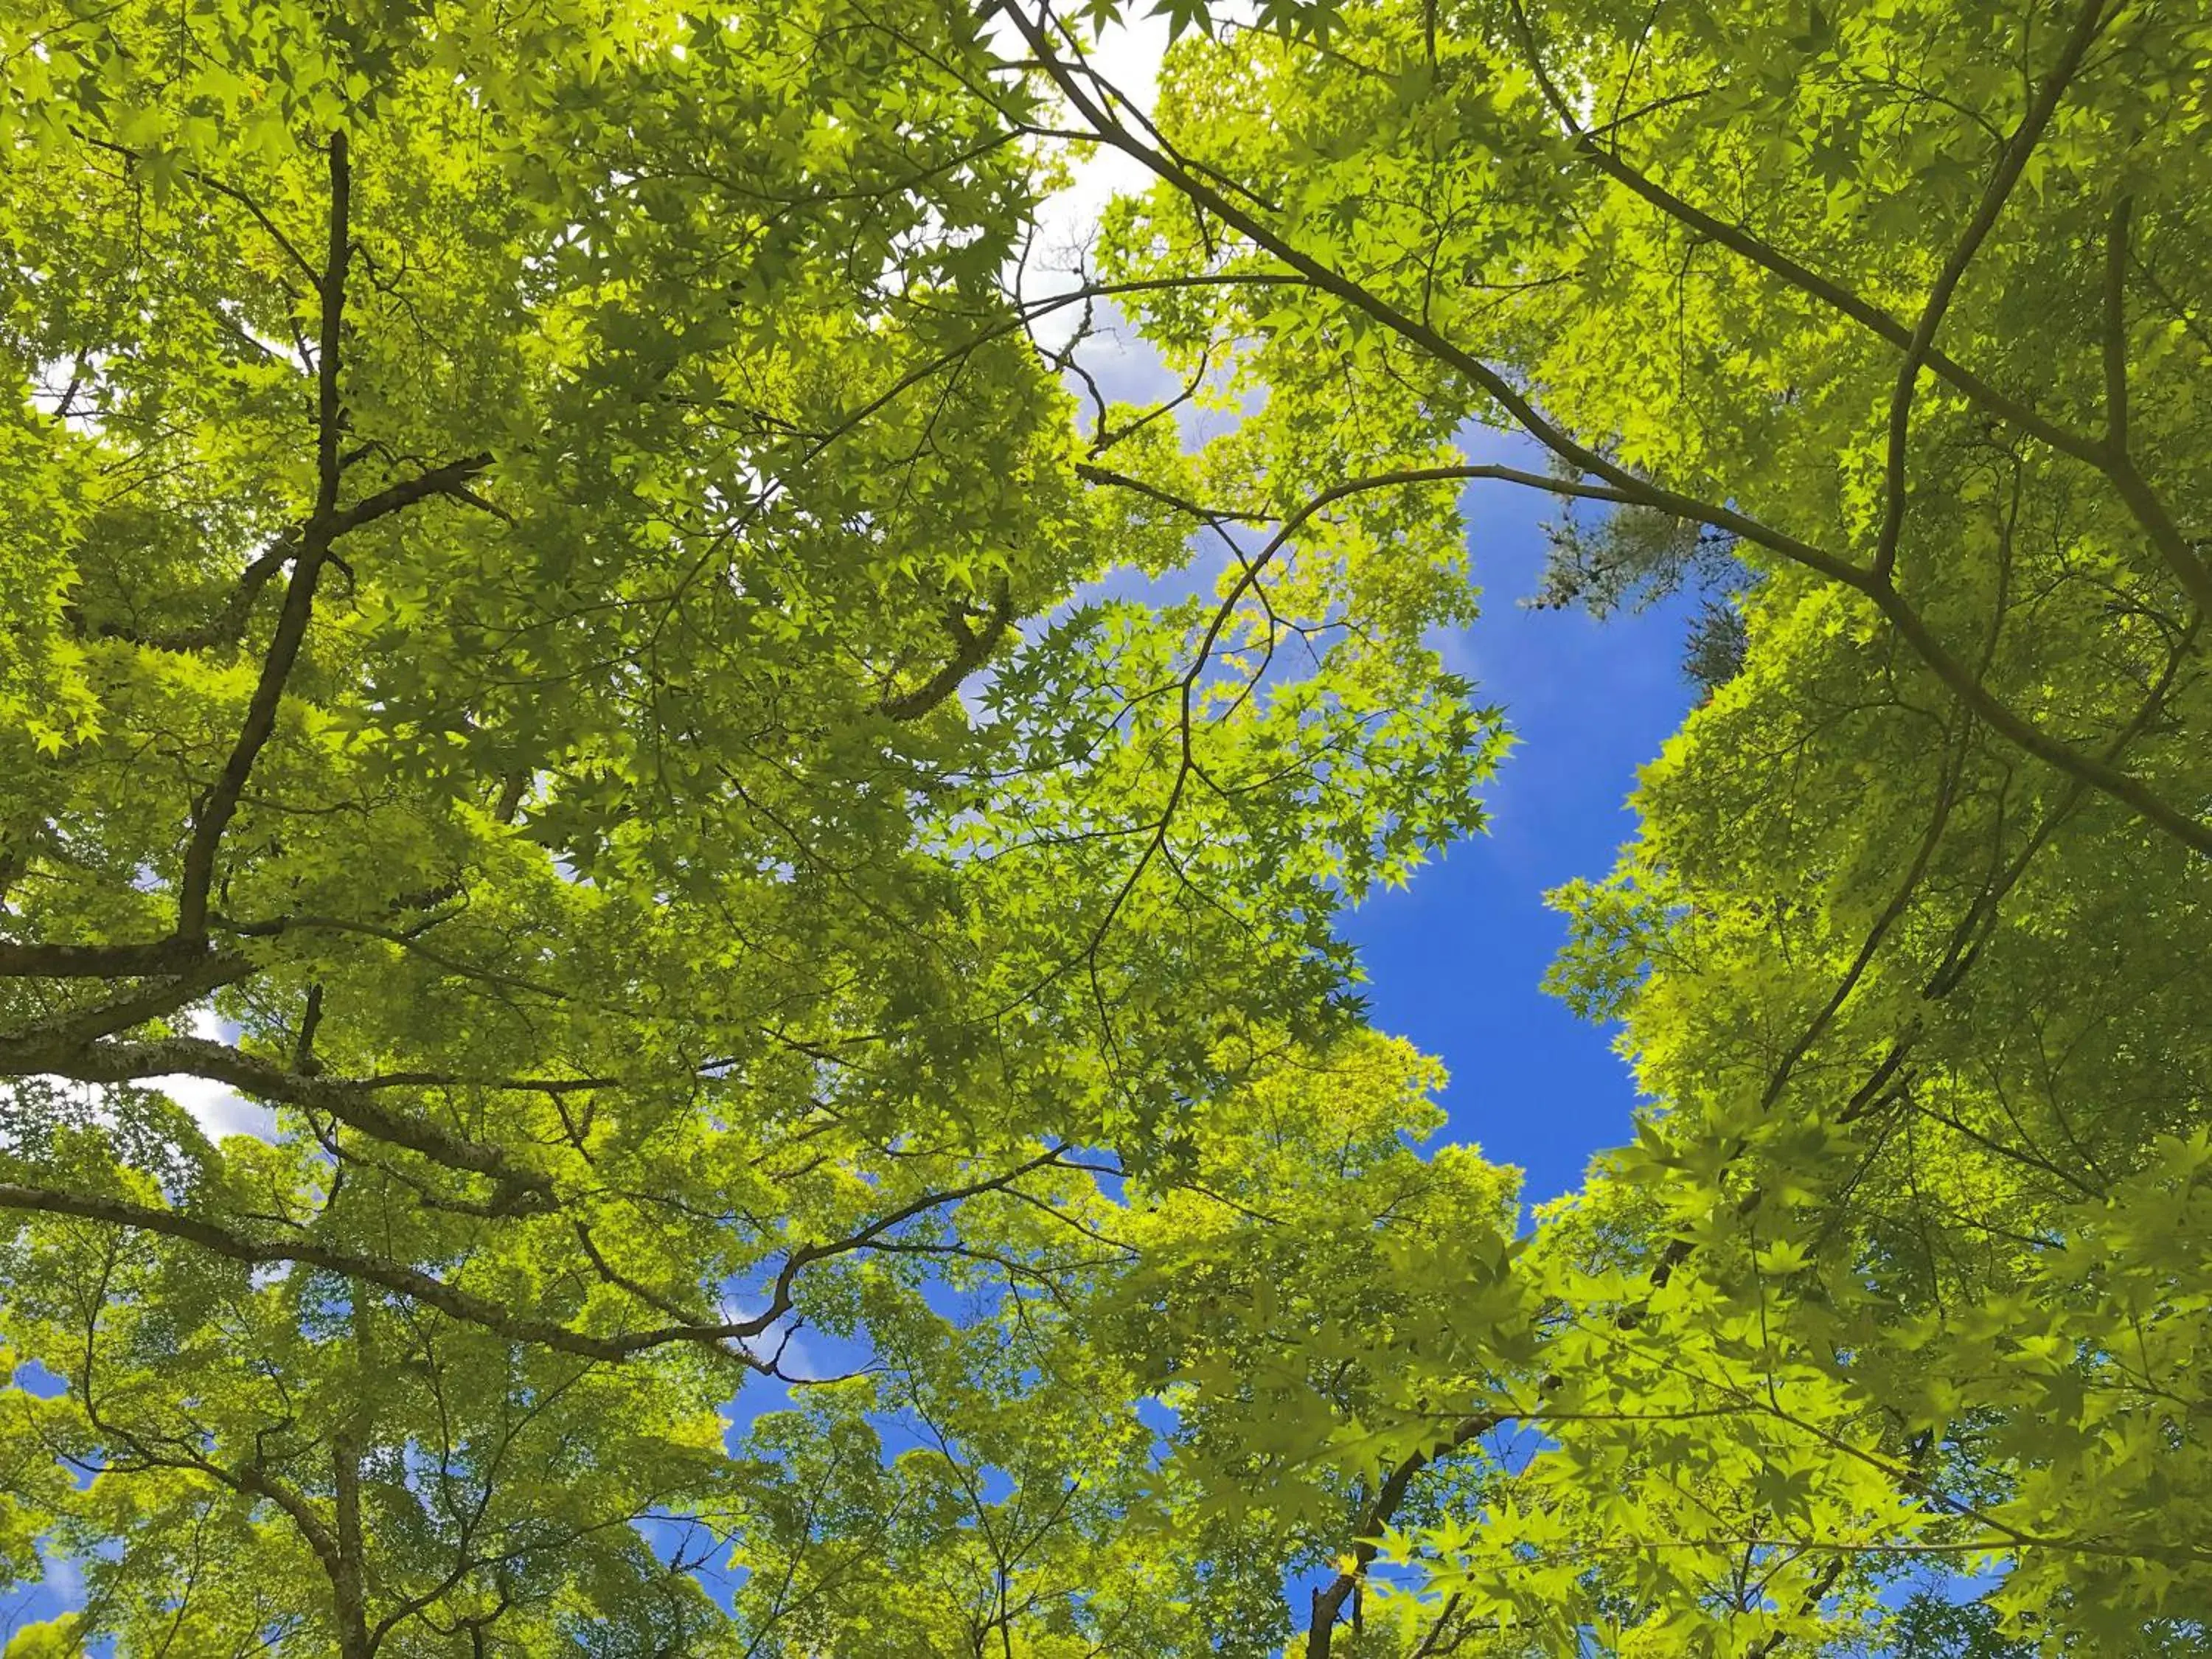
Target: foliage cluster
[(576, 631)]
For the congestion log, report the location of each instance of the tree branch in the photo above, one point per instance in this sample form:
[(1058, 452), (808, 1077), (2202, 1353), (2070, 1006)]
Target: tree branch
[(2010, 163), (351, 1104), (213, 813), (410, 1282), (2120, 786), (1328, 1601), (727, 1337), (2142, 502), (972, 649)]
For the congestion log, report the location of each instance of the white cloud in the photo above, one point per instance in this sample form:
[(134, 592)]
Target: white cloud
[(219, 1111), (1129, 57)]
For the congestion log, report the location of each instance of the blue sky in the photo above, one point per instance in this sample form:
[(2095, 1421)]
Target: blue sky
[(1455, 958)]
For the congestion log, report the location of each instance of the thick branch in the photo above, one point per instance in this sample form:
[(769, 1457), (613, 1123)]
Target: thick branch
[(972, 649), (214, 812), (1328, 1601), (64, 961), (728, 1338), (150, 1001), (228, 626), (351, 1104), (2135, 493)]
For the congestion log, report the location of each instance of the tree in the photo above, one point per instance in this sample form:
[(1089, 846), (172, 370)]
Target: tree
[(552, 639), (1906, 1261), (564, 634)]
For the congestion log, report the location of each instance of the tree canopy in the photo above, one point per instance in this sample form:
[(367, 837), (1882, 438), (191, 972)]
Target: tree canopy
[(579, 633)]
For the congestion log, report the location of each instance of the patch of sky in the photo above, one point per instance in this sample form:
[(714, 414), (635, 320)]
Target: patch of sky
[(58, 1589), (37, 1381), (688, 1544), (801, 1355), (1454, 960), (1164, 1422)]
